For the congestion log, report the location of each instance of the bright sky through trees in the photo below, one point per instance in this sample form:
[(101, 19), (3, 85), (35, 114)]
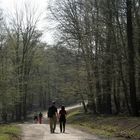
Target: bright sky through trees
[(41, 8)]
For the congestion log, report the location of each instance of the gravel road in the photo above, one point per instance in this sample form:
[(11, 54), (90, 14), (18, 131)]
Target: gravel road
[(31, 131), (42, 132)]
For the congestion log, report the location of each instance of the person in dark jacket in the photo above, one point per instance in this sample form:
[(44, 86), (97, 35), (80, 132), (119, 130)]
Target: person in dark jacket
[(35, 118), (52, 115), (62, 119), (40, 117)]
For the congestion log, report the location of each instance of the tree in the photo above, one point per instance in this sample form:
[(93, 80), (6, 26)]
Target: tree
[(131, 61), (24, 37)]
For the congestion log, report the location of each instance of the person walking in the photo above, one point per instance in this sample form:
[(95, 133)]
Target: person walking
[(52, 115), (35, 118), (62, 119), (40, 117)]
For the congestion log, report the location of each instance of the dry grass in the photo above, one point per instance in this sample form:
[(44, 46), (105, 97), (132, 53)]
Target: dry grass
[(109, 126), (9, 132)]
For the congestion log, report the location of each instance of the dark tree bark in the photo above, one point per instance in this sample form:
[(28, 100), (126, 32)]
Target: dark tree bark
[(131, 61)]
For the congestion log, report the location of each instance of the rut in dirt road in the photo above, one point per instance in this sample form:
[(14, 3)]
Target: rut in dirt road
[(42, 132)]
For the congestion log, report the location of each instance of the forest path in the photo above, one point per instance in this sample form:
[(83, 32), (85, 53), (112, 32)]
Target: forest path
[(42, 132), (31, 131)]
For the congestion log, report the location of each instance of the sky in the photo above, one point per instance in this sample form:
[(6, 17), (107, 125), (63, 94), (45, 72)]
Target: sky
[(10, 5)]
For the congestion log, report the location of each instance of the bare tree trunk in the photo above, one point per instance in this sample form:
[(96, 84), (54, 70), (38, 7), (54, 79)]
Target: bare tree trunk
[(131, 54)]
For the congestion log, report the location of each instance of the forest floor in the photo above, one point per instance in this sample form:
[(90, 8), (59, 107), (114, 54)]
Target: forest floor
[(119, 127)]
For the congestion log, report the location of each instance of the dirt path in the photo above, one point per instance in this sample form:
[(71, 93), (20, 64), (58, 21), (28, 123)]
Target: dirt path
[(32, 131), (42, 132)]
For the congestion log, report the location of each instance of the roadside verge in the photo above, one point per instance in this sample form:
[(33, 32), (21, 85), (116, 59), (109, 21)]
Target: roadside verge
[(121, 127)]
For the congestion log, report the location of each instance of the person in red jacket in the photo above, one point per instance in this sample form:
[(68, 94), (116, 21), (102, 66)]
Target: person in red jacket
[(62, 119)]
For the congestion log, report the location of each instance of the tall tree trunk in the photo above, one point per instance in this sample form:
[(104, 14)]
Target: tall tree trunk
[(79, 81), (131, 55), (116, 85)]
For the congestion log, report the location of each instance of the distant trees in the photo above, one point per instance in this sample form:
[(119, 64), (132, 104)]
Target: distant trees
[(97, 58), (19, 41), (61, 72), (23, 37), (32, 73), (4, 72), (103, 32)]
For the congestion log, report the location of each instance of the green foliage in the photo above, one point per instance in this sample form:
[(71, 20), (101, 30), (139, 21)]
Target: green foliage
[(98, 31), (90, 61), (4, 137), (58, 74)]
